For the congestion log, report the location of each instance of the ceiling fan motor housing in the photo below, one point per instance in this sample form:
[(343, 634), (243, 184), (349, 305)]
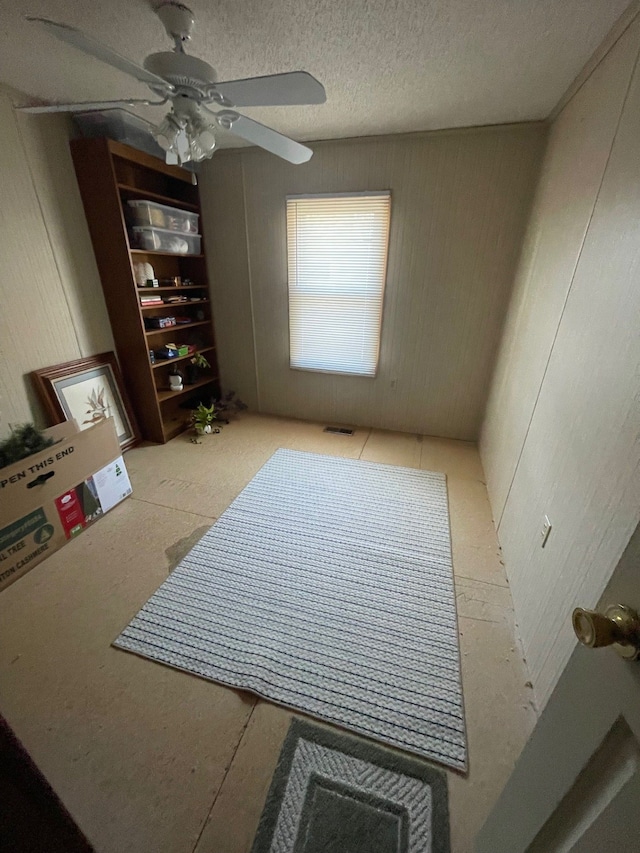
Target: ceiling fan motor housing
[(178, 20), (182, 71)]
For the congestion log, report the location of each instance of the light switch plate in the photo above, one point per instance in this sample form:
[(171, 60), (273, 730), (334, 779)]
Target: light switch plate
[(546, 530)]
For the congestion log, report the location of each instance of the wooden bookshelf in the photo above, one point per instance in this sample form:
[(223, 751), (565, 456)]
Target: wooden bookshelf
[(163, 396), (109, 175), (152, 333), (136, 192), (164, 254), (168, 305), (160, 364), (173, 289)]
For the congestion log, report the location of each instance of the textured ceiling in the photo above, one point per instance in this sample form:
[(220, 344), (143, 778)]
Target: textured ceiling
[(388, 65)]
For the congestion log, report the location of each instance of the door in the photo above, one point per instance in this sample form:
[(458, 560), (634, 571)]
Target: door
[(576, 786)]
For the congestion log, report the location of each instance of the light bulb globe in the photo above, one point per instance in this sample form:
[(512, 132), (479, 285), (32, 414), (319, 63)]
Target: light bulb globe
[(207, 139), (166, 134)]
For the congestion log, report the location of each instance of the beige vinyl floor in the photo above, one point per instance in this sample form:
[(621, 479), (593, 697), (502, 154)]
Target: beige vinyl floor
[(152, 760)]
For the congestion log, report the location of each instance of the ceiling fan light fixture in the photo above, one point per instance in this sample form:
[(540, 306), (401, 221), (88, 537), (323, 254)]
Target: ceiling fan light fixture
[(202, 132), (186, 134), (196, 153), (168, 131), (192, 84)]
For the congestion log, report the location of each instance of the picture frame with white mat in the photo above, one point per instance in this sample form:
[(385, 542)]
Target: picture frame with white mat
[(88, 390)]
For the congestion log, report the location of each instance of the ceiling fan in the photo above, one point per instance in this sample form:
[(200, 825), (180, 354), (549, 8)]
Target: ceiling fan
[(188, 130)]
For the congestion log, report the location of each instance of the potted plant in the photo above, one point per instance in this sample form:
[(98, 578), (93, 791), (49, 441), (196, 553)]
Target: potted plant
[(202, 419), (197, 363)]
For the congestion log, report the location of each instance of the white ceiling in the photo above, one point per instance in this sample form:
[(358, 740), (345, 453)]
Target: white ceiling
[(388, 65)]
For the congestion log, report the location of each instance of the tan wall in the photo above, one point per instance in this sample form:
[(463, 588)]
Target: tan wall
[(459, 206), (52, 304), (561, 430)]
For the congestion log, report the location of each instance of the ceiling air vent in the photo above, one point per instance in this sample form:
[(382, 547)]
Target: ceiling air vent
[(338, 430)]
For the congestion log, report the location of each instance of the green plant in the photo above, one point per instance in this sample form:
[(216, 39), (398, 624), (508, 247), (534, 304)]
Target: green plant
[(203, 417), (199, 360), (24, 440)]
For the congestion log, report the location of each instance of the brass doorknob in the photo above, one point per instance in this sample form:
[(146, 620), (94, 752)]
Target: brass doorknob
[(618, 626)]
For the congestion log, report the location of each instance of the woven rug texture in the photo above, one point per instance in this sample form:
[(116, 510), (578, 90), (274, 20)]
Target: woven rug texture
[(327, 587)]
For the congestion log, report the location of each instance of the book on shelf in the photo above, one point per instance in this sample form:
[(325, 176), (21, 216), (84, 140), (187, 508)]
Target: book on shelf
[(151, 300)]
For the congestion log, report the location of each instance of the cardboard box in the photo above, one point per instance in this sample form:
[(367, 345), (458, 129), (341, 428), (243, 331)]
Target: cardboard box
[(50, 497)]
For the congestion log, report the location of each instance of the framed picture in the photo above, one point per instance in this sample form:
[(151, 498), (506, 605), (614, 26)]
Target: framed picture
[(88, 390)]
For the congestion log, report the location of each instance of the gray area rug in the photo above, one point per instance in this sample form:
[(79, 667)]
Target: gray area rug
[(333, 793), (326, 587)]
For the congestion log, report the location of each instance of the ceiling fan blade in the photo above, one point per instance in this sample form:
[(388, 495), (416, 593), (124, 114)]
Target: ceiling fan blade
[(263, 136), (87, 106), (87, 44), (275, 90)]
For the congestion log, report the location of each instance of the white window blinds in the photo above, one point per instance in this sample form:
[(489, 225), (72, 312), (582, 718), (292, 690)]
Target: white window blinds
[(337, 260)]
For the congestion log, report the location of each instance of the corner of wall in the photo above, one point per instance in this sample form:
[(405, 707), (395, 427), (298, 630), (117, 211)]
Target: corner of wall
[(53, 309), (224, 225)]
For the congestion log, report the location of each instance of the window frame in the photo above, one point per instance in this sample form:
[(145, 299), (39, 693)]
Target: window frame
[(385, 266)]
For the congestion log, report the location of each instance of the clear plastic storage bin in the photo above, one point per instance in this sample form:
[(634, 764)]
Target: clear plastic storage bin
[(145, 212), (163, 240)]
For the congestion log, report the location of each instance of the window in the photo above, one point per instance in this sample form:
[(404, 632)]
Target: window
[(337, 258)]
